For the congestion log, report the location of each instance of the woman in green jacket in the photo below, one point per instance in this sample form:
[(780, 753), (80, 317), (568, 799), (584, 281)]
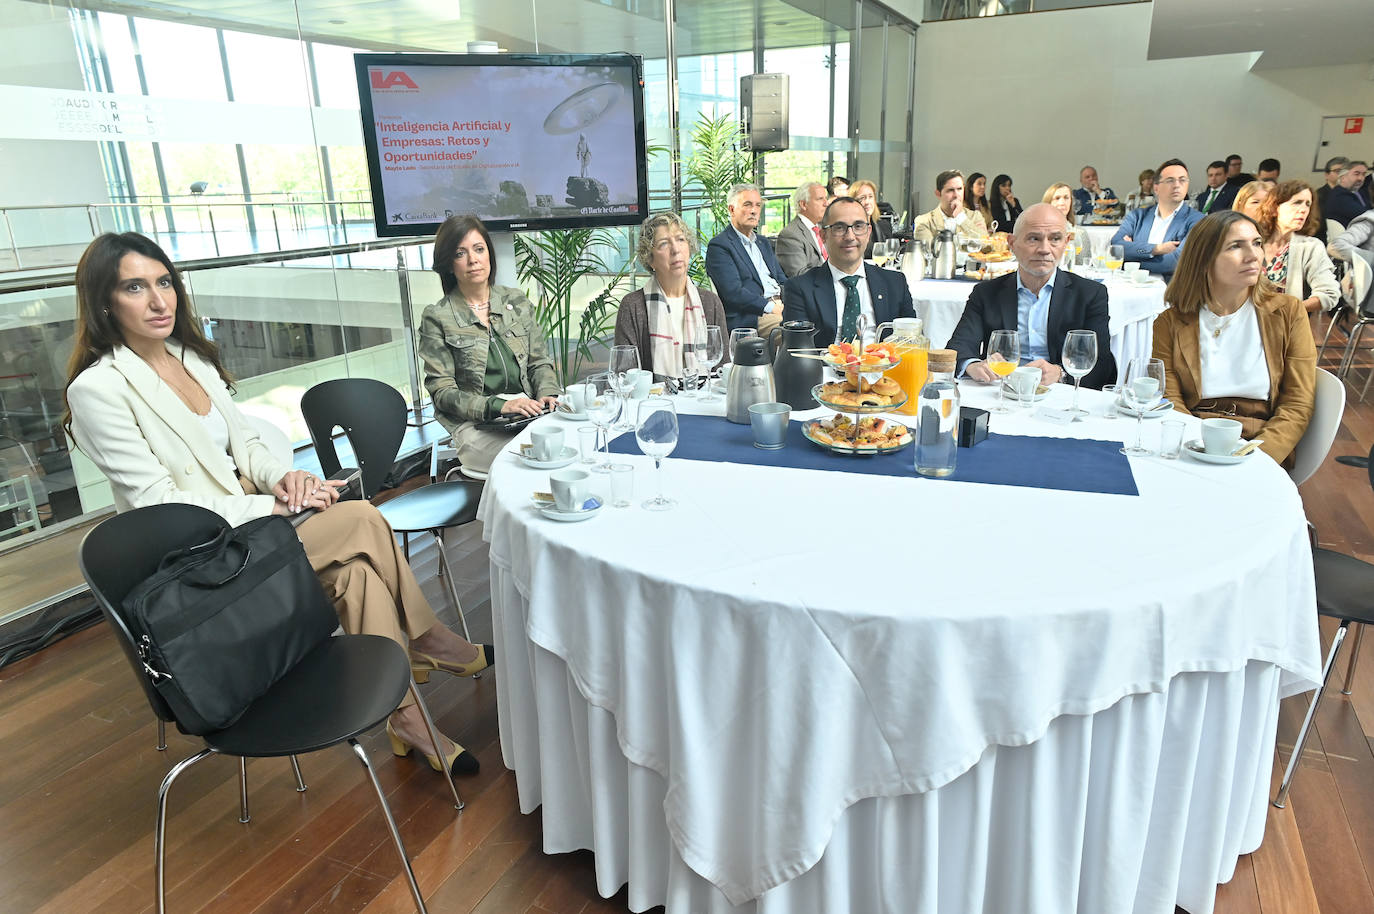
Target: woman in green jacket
[(483, 352)]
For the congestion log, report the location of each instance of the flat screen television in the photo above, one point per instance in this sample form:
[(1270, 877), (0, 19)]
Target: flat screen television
[(522, 141)]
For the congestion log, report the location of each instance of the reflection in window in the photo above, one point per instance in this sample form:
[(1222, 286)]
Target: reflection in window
[(180, 61)]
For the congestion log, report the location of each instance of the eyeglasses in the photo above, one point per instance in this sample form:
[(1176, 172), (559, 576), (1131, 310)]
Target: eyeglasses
[(1170, 182), (840, 228)]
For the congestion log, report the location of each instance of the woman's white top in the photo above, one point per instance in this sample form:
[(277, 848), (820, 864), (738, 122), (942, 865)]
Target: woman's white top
[(218, 430), (1232, 355), (677, 307)]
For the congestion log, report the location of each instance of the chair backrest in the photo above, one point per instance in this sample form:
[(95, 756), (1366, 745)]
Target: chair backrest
[(120, 553), (1321, 431), (373, 417), (273, 438)]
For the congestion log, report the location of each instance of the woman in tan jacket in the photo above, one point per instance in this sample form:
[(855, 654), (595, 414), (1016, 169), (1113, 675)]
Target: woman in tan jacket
[(1232, 345)]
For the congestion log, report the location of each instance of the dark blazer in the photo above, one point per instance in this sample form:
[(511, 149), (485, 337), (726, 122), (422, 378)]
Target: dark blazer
[(732, 273), (797, 251), (1137, 224), (811, 297), (1083, 199), (1240, 180), (1343, 205), (1076, 304), (1005, 213), (1226, 195)]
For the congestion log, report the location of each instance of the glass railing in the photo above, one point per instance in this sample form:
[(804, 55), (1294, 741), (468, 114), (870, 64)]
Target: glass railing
[(971, 9)]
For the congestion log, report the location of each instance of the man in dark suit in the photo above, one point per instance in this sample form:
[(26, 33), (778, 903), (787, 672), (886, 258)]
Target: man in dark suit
[(1347, 200), (834, 295), (1152, 236), (800, 245), (1235, 175), (1217, 195), (1039, 301), (743, 267), (1333, 174)]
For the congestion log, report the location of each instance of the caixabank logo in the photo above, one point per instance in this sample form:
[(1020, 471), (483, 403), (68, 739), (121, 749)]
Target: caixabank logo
[(392, 81)]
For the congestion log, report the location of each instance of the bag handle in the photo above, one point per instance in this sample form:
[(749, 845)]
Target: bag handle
[(203, 554)]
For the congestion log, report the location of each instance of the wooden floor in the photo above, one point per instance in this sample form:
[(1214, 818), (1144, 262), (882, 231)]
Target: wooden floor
[(78, 775)]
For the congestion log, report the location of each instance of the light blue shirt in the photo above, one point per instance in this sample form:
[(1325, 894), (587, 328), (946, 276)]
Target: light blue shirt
[(1033, 318), (771, 289)]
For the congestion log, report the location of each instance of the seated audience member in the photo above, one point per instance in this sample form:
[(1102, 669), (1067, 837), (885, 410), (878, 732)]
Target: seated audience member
[(1060, 196), (670, 308), (1218, 194), (1359, 234), (1145, 196), (1090, 190), (1233, 346), (149, 403), (1268, 170), (799, 245), (834, 295), (743, 267), (1251, 197), (1235, 175), (1333, 173), (1152, 236), (976, 196), (1005, 207), (1040, 301), (866, 192), (838, 187), (1294, 261), (483, 352), (1347, 199), (950, 214)]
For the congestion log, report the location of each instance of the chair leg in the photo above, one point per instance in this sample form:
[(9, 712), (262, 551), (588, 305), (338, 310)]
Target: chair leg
[(405, 545), (243, 791), (447, 574), (391, 826), (161, 735), (1368, 378), (1348, 357), (300, 781), (434, 740), (1354, 658), (1335, 318), (1288, 772), (160, 831)]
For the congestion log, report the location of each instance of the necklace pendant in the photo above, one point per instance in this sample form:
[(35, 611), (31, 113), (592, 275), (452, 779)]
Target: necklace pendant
[(1216, 333)]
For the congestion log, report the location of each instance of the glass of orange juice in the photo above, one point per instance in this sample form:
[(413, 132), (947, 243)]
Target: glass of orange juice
[(1116, 256), (1004, 354)]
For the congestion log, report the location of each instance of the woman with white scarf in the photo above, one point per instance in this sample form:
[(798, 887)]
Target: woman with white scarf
[(670, 308)]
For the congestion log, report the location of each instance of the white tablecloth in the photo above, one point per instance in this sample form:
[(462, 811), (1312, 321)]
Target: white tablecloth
[(749, 700), (1132, 311)]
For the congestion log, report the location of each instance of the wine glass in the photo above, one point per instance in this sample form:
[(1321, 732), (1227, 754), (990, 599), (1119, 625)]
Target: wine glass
[(738, 334), (604, 404), (715, 350), (656, 432), (1116, 256), (1004, 353), (623, 359), (1144, 389), (1080, 355)]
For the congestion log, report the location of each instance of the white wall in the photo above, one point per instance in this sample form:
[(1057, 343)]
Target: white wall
[(1074, 87)]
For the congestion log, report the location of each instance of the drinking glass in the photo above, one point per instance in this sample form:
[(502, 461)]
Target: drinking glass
[(1080, 355), (1116, 256), (1139, 398), (1004, 354), (715, 350), (738, 334), (693, 360), (656, 432), (603, 408), (622, 360)]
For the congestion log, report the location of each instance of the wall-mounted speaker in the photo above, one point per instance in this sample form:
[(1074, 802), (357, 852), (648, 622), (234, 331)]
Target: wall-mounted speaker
[(763, 103)]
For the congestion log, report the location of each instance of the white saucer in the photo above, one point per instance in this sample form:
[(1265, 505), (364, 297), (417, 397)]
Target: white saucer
[(1041, 392), (1150, 414), (568, 455), (1194, 449), (571, 517), (571, 417)]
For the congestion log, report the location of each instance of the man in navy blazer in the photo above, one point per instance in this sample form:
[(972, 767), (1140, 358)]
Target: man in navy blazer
[(743, 267), (1217, 195), (1347, 200), (822, 294), (1039, 301), (1152, 236)]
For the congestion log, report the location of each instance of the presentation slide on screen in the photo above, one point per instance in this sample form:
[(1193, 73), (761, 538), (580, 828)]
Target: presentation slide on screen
[(504, 142)]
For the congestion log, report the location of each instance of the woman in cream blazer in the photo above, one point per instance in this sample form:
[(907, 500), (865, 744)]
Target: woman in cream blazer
[(148, 402), (1297, 261)]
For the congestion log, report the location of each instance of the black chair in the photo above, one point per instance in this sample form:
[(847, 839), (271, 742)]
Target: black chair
[(1345, 591), (345, 686), (373, 417)]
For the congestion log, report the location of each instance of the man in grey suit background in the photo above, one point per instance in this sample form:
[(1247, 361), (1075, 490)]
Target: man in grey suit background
[(799, 245)]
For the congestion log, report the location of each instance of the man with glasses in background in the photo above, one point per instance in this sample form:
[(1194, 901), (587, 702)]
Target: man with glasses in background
[(1347, 200), (1333, 172), (951, 213), (743, 267), (836, 294), (1153, 235)]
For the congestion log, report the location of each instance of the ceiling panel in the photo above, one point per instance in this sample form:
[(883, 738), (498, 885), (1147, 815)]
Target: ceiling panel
[(1285, 33)]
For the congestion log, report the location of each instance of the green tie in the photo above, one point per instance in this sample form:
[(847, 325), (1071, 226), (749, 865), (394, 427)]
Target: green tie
[(849, 323), (1207, 208)]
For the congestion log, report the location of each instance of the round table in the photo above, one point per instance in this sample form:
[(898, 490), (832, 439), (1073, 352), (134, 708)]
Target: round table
[(1132, 310), (808, 691)]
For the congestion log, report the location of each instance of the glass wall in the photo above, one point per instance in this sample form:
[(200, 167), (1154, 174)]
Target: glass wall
[(231, 135)]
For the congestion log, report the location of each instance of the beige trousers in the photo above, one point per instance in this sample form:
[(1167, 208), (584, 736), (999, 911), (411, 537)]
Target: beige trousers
[(768, 321)]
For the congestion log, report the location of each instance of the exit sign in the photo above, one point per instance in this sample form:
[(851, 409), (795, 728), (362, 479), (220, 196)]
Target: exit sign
[(1354, 125)]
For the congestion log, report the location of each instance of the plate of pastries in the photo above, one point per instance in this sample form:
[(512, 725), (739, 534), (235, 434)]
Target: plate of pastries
[(866, 435), (857, 356), (857, 393)]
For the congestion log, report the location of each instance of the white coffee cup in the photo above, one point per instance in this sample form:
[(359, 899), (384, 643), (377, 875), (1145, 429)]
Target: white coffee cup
[(1025, 380), (570, 488), (1220, 436), (546, 443), (640, 380), (1130, 268), (725, 374), (576, 396)]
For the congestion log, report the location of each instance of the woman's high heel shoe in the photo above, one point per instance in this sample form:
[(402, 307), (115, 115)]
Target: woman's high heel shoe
[(423, 664), (460, 761)]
